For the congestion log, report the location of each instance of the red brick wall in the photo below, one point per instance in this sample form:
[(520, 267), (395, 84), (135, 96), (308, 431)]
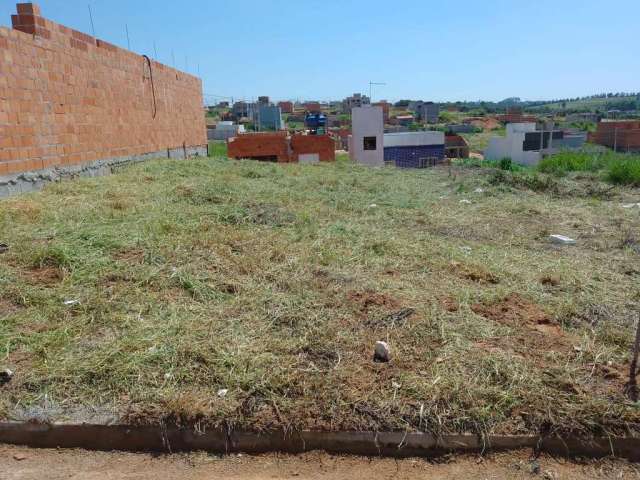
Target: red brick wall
[(624, 135), (278, 144), (256, 145), (286, 107), (312, 107), (67, 98), (323, 145)]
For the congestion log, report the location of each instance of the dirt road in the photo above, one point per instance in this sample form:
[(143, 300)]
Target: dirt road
[(18, 463)]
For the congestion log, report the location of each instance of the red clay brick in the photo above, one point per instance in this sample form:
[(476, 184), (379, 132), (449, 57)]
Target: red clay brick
[(28, 9), (323, 145)]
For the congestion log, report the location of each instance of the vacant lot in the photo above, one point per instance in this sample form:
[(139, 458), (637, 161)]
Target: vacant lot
[(215, 291)]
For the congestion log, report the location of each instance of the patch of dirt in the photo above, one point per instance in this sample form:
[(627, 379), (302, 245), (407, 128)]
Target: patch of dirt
[(319, 359), (325, 277), (7, 308), (44, 275), (269, 214), (550, 280), (20, 463), (534, 332), (607, 378), (449, 304), (130, 255), (475, 273), (368, 300)]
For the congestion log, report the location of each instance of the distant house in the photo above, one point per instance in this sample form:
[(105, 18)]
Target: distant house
[(386, 109), (356, 100), (269, 117), (428, 112), (223, 130), (243, 110), (286, 107), (525, 145), (455, 146), (313, 107), (583, 117), (414, 149), (404, 120)]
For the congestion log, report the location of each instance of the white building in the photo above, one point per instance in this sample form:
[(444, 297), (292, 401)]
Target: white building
[(224, 130), (366, 143), (526, 145)]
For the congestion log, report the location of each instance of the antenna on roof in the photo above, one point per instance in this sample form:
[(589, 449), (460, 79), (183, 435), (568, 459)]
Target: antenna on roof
[(371, 84)]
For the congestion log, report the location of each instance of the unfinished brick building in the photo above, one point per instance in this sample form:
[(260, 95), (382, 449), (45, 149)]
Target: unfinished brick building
[(268, 146), (281, 148), (455, 146), (322, 145), (72, 104), (623, 136), (286, 107)]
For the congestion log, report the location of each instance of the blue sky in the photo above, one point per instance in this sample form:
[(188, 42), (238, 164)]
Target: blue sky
[(423, 49)]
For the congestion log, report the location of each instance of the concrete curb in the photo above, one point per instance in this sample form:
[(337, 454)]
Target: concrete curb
[(26, 182), (388, 444)]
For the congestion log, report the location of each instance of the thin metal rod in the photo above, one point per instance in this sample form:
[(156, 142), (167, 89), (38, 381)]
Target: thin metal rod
[(93, 28), (126, 28)]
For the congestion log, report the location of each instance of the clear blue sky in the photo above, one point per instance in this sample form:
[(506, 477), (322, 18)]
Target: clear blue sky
[(423, 49)]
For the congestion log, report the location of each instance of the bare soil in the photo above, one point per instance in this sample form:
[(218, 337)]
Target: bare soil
[(25, 464)]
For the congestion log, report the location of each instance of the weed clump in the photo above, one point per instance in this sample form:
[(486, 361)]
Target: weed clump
[(616, 168), (530, 181)]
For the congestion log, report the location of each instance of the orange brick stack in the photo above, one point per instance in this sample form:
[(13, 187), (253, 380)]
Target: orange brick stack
[(279, 147), (268, 146), (624, 135), (323, 145), (67, 98)]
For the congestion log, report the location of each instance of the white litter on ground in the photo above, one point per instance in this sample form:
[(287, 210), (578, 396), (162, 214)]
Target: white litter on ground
[(223, 392), (562, 240)]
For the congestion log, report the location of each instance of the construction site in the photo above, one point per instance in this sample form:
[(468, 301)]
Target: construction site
[(303, 280)]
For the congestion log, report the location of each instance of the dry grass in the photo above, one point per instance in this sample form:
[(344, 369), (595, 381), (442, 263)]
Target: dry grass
[(275, 281)]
